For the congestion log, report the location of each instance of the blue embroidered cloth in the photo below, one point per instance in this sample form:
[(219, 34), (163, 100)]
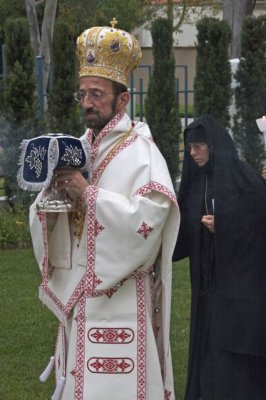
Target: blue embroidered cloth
[(41, 155)]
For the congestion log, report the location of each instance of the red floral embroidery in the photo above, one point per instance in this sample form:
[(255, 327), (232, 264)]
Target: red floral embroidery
[(79, 370), (111, 335), (98, 228), (92, 282), (110, 365), (144, 230), (109, 293), (157, 187), (167, 395)]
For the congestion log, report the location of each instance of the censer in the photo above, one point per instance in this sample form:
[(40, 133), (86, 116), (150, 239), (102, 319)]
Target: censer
[(38, 160)]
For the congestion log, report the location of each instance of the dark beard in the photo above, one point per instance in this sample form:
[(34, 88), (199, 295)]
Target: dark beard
[(99, 123)]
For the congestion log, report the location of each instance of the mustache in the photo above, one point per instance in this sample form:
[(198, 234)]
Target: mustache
[(90, 111)]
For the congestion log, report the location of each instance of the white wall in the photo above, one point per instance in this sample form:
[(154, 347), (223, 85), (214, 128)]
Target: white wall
[(187, 37)]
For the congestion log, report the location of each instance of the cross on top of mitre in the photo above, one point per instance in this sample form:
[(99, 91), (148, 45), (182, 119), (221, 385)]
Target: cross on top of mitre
[(114, 22)]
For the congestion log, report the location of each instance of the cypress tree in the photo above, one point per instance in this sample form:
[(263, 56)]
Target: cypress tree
[(212, 85), (250, 93), (20, 99), (64, 113), (161, 102), (18, 118)]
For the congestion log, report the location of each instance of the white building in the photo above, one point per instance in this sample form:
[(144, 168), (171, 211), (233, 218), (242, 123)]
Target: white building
[(184, 48)]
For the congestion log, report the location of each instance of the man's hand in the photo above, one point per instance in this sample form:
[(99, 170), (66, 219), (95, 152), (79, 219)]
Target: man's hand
[(68, 177), (208, 221)]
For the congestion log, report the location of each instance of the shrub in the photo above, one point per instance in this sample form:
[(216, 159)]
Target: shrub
[(14, 227), (2, 189), (189, 113)]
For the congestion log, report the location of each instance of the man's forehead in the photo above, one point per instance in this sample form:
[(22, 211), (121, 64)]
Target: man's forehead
[(95, 82)]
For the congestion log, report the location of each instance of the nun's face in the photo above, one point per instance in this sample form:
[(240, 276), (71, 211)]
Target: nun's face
[(199, 152)]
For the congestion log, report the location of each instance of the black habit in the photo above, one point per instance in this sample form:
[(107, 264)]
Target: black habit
[(227, 351)]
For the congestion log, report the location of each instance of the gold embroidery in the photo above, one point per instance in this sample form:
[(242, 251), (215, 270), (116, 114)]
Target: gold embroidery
[(77, 217), (108, 52)]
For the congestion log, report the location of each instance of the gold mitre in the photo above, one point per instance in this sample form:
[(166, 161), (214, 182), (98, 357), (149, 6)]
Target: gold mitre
[(108, 52)]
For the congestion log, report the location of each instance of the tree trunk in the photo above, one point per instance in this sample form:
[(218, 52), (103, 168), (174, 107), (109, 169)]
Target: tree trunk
[(34, 26), (233, 12), (42, 46), (47, 38)]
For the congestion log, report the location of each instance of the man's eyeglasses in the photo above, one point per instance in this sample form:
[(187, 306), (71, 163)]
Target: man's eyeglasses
[(94, 95)]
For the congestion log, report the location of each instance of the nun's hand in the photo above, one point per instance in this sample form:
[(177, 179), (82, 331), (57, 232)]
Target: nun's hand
[(208, 221)]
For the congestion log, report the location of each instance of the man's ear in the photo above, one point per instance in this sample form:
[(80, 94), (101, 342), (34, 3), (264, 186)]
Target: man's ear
[(123, 99)]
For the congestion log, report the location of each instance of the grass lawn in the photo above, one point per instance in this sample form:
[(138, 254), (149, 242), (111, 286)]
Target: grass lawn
[(28, 329)]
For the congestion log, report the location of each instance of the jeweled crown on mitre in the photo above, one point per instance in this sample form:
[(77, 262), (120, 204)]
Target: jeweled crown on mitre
[(108, 52)]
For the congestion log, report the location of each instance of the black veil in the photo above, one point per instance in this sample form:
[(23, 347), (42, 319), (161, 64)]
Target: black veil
[(240, 237)]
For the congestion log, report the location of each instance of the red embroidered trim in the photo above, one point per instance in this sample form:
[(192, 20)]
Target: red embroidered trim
[(158, 187), (60, 334), (42, 219), (98, 366), (90, 279), (152, 294), (109, 292), (111, 335), (91, 282), (45, 279), (167, 395), (141, 310), (108, 128), (110, 365), (98, 171), (64, 309), (144, 230), (80, 350), (98, 228)]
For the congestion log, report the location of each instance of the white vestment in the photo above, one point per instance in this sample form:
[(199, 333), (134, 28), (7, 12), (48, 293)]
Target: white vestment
[(112, 290)]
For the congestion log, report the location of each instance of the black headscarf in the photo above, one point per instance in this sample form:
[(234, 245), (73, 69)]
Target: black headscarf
[(240, 237), (196, 135)]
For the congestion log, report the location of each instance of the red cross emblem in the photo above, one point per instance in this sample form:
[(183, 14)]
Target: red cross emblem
[(144, 230)]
